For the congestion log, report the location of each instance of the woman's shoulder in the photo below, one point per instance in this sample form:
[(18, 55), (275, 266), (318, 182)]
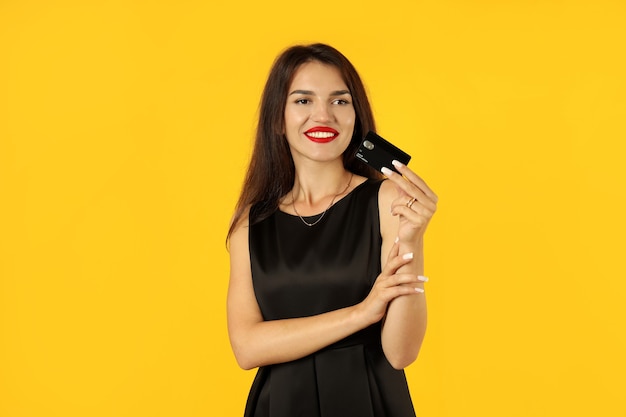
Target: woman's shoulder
[(388, 222), (242, 220), (387, 190)]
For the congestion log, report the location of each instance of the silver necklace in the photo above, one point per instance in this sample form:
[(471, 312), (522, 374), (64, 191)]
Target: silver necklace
[(293, 203)]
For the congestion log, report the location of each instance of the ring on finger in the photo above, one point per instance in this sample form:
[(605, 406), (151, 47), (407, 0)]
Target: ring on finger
[(410, 202)]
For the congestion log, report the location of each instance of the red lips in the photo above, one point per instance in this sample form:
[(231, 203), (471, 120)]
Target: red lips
[(321, 134)]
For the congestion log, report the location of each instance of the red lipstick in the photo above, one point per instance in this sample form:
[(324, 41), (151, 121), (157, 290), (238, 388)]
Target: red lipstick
[(321, 134)]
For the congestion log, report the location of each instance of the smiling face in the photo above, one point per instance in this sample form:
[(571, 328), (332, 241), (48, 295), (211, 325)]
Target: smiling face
[(319, 115)]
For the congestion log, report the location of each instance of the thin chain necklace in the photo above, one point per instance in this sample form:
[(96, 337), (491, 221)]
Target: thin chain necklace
[(293, 203)]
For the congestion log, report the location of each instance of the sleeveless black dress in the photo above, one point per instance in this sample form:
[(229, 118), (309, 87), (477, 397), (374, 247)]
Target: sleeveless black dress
[(300, 271)]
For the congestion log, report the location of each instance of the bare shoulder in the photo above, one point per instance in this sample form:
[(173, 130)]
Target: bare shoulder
[(241, 305), (238, 242), (240, 292), (387, 192)]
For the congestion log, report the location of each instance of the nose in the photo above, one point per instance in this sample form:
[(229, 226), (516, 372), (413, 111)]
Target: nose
[(322, 112)]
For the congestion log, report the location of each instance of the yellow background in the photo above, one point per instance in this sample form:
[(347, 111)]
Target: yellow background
[(125, 128)]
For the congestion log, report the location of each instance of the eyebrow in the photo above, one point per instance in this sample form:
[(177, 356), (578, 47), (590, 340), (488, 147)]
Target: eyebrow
[(311, 93)]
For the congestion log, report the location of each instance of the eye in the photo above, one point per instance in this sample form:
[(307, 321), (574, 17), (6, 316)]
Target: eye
[(341, 102), (302, 101)]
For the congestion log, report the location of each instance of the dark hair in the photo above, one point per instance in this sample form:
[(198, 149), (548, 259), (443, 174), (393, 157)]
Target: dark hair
[(271, 172)]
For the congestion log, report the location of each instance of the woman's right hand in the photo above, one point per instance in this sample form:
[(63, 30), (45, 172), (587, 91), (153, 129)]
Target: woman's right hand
[(389, 285)]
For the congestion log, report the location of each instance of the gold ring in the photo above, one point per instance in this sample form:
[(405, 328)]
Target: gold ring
[(410, 203)]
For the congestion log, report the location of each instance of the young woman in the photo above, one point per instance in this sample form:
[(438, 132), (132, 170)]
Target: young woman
[(326, 291)]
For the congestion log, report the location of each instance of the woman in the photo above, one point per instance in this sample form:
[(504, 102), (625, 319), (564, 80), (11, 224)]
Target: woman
[(308, 301)]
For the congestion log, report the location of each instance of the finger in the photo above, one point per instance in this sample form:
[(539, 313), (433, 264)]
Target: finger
[(407, 190), (419, 205), (415, 179), (400, 290), (410, 291), (394, 263), (414, 212), (412, 178), (411, 284), (394, 250), (394, 292), (407, 279)]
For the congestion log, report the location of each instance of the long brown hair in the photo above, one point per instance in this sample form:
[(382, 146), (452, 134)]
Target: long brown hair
[(271, 172)]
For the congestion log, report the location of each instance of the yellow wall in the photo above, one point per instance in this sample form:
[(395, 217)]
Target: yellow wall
[(125, 127)]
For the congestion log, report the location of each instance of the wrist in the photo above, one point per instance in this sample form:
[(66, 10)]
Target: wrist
[(411, 245), (359, 316)]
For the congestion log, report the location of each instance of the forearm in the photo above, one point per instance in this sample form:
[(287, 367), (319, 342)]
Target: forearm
[(278, 341), (405, 322)]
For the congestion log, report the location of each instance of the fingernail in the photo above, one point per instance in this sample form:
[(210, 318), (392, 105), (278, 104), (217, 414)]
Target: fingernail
[(421, 290), (397, 164), (386, 171), (408, 255), (422, 278), (397, 239)]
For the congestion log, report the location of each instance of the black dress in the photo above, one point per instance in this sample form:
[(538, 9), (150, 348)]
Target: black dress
[(300, 271)]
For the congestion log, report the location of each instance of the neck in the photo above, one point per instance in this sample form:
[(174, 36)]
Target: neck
[(315, 186)]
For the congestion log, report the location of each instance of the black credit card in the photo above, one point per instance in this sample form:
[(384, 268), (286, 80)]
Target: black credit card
[(377, 152)]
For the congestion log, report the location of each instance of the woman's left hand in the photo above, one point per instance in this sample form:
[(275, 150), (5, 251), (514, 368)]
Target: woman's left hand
[(416, 202)]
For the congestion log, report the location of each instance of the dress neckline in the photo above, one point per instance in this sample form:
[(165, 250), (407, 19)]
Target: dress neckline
[(367, 180)]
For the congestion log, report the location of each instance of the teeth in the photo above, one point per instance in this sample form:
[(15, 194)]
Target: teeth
[(320, 135)]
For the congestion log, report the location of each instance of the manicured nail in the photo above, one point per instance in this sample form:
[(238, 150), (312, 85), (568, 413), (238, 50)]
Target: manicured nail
[(397, 164), (421, 290), (408, 255), (397, 239), (422, 278), (386, 171)]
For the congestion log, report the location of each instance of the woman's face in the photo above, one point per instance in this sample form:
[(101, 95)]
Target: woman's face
[(319, 115)]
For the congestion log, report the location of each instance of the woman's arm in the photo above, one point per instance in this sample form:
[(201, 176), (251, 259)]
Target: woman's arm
[(256, 342), (404, 325)]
